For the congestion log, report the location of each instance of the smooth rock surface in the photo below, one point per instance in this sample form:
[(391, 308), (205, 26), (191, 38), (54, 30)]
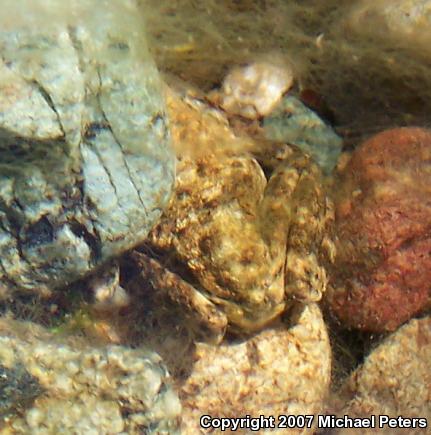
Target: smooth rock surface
[(86, 166), (295, 123), (404, 21)]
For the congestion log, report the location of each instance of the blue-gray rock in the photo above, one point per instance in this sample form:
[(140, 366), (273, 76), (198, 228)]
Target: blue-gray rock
[(296, 124), (86, 166)]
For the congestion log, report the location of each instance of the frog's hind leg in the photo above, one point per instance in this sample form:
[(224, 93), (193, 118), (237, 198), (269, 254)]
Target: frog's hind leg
[(204, 319)]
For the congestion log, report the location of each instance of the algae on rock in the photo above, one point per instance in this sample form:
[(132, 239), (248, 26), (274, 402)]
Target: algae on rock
[(86, 166)]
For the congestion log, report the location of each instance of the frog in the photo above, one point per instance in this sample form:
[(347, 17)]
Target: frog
[(247, 233)]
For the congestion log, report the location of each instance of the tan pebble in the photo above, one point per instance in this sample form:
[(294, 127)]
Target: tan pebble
[(278, 371), (395, 380)]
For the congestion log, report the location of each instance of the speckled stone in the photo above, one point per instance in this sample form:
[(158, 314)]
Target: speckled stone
[(382, 272), (86, 165), (280, 371), (394, 380), (72, 388)]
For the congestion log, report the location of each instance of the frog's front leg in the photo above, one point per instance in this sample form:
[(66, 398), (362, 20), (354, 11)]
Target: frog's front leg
[(296, 220), (206, 321)]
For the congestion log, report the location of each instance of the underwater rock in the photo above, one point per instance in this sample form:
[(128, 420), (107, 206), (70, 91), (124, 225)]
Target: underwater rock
[(394, 380), (18, 390), (293, 122), (382, 273), (108, 295), (280, 371), (82, 389), (404, 21), (253, 90), (86, 165)]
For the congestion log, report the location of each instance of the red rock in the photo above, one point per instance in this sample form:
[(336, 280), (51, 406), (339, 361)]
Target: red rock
[(382, 275)]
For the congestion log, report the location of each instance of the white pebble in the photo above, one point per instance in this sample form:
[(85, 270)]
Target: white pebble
[(254, 90)]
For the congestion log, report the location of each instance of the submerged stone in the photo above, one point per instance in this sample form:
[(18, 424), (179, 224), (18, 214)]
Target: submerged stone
[(273, 373), (86, 166), (81, 389), (382, 272), (295, 123), (393, 384), (18, 390)]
